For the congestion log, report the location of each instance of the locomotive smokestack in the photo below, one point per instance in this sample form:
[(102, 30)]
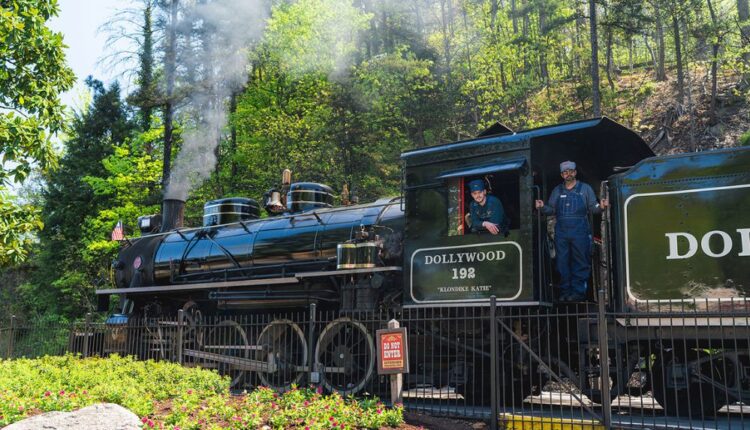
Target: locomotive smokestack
[(173, 211)]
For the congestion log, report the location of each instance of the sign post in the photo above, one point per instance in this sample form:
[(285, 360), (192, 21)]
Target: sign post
[(393, 357)]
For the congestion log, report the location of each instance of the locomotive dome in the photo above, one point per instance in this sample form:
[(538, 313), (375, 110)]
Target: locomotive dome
[(228, 210), (305, 196)]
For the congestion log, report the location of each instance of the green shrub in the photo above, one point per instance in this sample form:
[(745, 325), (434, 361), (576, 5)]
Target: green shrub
[(68, 382), (168, 396), (745, 138), (646, 89)]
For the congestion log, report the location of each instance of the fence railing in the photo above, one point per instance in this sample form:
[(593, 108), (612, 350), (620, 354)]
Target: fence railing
[(660, 366)]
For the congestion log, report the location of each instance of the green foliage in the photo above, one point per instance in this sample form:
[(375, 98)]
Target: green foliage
[(32, 76), (169, 396), (744, 139), (297, 408), (131, 184), (314, 36), (18, 223), (336, 90), (68, 383), (74, 252)]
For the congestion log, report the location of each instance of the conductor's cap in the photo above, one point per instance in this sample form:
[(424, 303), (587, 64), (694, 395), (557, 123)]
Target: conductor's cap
[(476, 185), (567, 165)]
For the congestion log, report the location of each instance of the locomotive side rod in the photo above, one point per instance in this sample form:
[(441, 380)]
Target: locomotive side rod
[(457, 344), (248, 364), (545, 367), (238, 363)]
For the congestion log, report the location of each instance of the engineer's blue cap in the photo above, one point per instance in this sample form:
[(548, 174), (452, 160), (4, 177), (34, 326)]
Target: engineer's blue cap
[(567, 165), (476, 185)]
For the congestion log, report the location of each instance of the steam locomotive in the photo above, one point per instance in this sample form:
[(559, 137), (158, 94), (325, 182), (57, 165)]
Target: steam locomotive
[(676, 232)]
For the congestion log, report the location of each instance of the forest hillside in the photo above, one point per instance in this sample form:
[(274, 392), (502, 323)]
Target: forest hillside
[(219, 96)]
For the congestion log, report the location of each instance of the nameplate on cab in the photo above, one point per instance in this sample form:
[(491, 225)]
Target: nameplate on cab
[(466, 273)]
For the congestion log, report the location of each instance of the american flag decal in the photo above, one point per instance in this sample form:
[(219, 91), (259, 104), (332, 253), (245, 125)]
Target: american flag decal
[(117, 232)]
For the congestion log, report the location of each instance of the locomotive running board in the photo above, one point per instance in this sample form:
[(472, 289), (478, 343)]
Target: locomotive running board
[(348, 271), (295, 279), (201, 286)]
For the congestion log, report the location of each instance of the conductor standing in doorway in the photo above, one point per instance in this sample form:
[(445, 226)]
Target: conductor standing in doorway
[(572, 202)]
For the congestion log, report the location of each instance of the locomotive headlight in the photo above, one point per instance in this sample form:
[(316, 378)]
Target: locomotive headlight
[(137, 262)]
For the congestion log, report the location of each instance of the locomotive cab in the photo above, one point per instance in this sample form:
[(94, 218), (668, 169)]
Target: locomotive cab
[(446, 261)]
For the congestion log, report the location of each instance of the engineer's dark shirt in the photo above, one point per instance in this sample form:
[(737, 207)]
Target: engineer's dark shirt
[(492, 211)]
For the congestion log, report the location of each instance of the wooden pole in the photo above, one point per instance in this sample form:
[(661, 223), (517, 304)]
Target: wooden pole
[(397, 380), (494, 408), (312, 373), (12, 337), (181, 334), (86, 331)]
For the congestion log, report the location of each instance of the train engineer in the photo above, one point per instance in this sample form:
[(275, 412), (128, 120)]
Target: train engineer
[(572, 202), (486, 210)]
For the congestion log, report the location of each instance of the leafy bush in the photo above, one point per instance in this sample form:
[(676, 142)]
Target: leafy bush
[(168, 396), (645, 89), (67, 383), (745, 138), (300, 408)]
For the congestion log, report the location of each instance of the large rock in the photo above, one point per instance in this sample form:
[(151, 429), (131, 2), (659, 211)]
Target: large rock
[(102, 416)]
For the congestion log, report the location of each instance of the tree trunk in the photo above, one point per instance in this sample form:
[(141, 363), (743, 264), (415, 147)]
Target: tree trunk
[(577, 41), (661, 74), (170, 59), (446, 38), (146, 75), (525, 32), (543, 68), (493, 14), (386, 30), (630, 55), (743, 12), (678, 55), (419, 19), (650, 52), (596, 104), (686, 67), (475, 99), (371, 46), (514, 16), (714, 63), (610, 61)]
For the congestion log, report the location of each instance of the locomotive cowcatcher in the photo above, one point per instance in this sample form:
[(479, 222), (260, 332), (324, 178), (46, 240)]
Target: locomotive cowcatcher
[(675, 235)]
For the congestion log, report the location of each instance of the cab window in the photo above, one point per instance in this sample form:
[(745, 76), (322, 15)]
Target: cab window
[(503, 185)]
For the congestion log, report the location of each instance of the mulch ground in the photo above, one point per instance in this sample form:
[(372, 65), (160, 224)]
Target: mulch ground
[(415, 421)]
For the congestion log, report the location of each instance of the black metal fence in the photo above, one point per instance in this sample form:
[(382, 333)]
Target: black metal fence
[(661, 366)]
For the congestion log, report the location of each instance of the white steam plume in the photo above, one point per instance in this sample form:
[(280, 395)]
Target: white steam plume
[(224, 30)]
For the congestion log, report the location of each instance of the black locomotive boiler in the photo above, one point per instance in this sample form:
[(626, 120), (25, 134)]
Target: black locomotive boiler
[(230, 262), (675, 234)]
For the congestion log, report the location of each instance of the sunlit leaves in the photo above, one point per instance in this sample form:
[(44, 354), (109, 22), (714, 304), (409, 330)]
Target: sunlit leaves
[(18, 224), (315, 36), (32, 76)]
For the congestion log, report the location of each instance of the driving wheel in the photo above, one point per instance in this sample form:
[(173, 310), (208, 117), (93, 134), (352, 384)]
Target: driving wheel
[(345, 355), (282, 344)]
